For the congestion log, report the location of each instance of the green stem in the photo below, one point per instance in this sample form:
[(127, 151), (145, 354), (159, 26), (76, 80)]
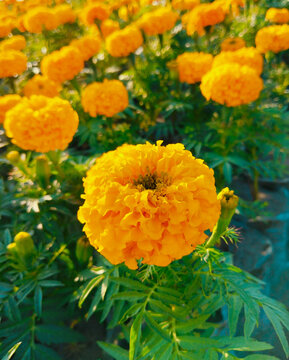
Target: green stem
[(218, 231), (12, 84), (75, 85)]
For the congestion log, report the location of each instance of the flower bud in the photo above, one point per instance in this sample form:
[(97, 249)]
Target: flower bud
[(24, 245), (229, 202), (13, 156), (83, 250), (12, 249), (43, 171)]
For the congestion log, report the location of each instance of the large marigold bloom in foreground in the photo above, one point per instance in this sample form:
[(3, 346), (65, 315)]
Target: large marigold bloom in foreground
[(244, 56), (7, 102), (41, 85), (278, 16), (205, 15), (38, 18), (232, 44), (41, 124), (124, 42), (63, 64), (273, 38), (104, 98), (232, 85), (148, 202), (16, 42), (192, 66), (95, 11), (108, 26), (158, 21), (12, 63), (185, 4), (88, 45)]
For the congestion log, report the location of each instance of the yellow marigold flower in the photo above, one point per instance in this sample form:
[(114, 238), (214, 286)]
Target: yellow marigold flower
[(20, 23), (232, 44), (64, 14), (273, 38), (12, 62), (88, 46), (231, 6), (158, 21), (244, 56), (6, 25), (108, 26), (41, 124), (6, 103), (41, 85), (185, 4), (205, 15), (38, 18), (192, 66), (148, 202), (104, 98), (278, 16), (126, 11), (124, 42), (16, 42), (63, 64), (232, 85), (95, 11)]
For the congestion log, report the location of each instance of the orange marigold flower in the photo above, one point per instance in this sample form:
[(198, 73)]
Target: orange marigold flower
[(126, 11), (6, 103), (95, 11), (273, 38), (12, 62), (16, 42), (88, 45), (63, 64), (205, 15), (231, 6), (244, 56), (231, 84), (38, 18), (41, 85), (6, 25), (104, 98), (192, 66), (232, 44), (64, 14), (124, 42), (185, 4), (148, 202), (278, 16), (108, 26), (158, 21), (41, 124)]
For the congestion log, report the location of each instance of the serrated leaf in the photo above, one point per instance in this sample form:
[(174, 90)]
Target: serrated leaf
[(94, 304), (45, 353), (135, 332), (129, 296), (211, 355), (11, 352), (242, 344), (89, 287), (132, 311), (250, 323), (115, 351), (156, 327), (260, 357), (129, 283), (235, 307), (56, 334), (197, 343)]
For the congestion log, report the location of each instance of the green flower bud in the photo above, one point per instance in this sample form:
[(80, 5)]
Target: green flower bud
[(12, 249), (24, 245), (83, 250), (13, 157), (43, 171)]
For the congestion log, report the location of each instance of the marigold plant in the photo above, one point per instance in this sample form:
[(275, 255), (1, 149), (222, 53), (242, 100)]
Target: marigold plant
[(278, 16), (104, 98), (7, 102), (193, 66), (88, 45), (39, 18), (148, 202), (16, 42), (109, 26), (41, 85), (273, 38), (232, 44), (63, 64), (232, 84), (95, 11), (12, 62), (41, 124), (124, 42)]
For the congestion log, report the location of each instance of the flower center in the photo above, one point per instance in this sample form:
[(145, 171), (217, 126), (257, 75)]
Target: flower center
[(152, 181)]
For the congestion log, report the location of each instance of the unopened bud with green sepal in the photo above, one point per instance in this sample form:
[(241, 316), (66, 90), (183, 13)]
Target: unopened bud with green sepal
[(83, 250), (24, 246), (43, 171)]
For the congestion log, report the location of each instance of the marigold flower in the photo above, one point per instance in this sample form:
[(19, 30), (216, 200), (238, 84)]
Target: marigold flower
[(38, 18), (125, 12), (192, 66), (108, 26), (205, 15), (273, 38), (124, 42), (244, 56), (185, 4), (158, 21), (104, 98), (231, 6), (232, 44), (231, 84), (88, 46), (148, 202), (95, 11), (64, 14), (278, 16), (12, 63), (41, 124), (6, 103), (63, 64), (41, 85), (16, 42), (6, 25)]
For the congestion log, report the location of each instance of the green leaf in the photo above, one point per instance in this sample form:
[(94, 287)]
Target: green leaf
[(56, 334), (135, 332), (227, 170), (11, 352), (129, 283), (94, 304), (38, 300), (242, 344), (89, 287), (132, 311), (211, 355), (197, 343), (50, 283), (113, 350), (235, 307), (278, 328), (163, 309), (129, 296), (165, 352), (151, 347), (156, 327), (250, 323), (260, 357), (45, 353)]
